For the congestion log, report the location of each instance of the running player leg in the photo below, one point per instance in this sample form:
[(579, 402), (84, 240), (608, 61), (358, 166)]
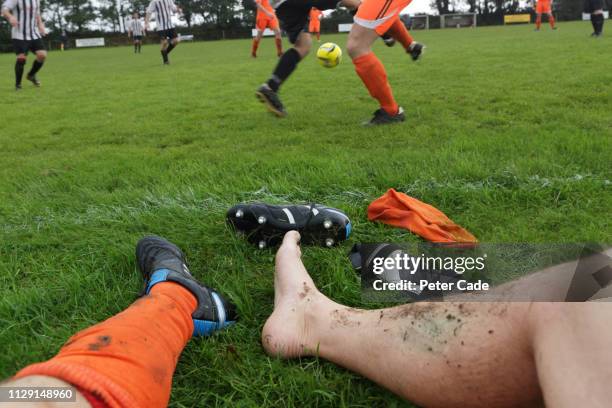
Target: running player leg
[(373, 19), (19, 64), (551, 20), (164, 47), (274, 26), (538, 21), (172, 41), (399, 32), (256, 41), (38, 48)]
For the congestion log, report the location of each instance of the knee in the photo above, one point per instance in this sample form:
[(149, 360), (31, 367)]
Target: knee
[(355, 48), (303, 45), (41, 57), (21, 59)]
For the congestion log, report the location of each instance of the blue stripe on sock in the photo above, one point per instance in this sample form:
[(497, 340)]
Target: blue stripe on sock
[(349, 227), (159, 275)]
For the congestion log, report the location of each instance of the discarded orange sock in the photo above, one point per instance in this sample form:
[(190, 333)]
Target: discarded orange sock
[(128, 360), (254, 47), (401, 210), (399, 31), (374, 77), (279, 46)]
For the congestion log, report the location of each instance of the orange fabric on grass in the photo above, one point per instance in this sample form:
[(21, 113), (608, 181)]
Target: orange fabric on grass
[(401, 210), (128, 360), (399, 31), (374, 77)]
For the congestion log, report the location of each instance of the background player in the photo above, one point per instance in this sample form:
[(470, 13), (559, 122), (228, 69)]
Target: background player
[(314, 27), (266, 18), (136, 31), (293, 17), (27, 32), (544, 7), (595, 9), (163, 10)]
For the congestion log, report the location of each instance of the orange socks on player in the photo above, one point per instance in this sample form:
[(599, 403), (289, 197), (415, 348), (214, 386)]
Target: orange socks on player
[(551, 21), (279, 46), (401, 210), (372, 73), (538, 21), (254, 47), (399, 31), (128, 360)]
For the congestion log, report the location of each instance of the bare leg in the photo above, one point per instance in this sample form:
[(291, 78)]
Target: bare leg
[(442, 354)]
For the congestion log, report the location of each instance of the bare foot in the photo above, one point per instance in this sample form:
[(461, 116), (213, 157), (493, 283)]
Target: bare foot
[(290, 330)]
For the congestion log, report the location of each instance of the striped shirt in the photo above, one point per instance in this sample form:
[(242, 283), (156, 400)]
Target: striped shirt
[(163, 10), (136, 27), (26, 12)]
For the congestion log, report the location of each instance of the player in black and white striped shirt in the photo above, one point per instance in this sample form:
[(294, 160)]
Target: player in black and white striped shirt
[(163, 10), (27, 32), (136, 31)]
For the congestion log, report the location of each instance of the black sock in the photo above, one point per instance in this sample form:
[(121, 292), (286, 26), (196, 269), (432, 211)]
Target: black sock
[(286, 65), (600, 23), (594, 22), (170, 48), (35, 67), (135, 48), (139, 47), (19, 64), (164, 55)]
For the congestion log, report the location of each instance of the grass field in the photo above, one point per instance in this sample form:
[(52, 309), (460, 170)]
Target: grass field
[(508, 132)]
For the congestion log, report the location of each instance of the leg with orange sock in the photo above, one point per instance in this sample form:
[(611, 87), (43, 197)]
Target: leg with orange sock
[(538, 21), (373, 74), (254, 47), (129, 359), (551, 21), (399, 32)]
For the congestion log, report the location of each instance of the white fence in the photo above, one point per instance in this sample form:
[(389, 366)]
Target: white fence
[(89, 42), (267, 32)]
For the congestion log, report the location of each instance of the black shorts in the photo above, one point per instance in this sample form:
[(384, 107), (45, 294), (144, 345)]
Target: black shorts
[(593, 5), (169, 34), (293, 15), (23, 46), (138, 38)]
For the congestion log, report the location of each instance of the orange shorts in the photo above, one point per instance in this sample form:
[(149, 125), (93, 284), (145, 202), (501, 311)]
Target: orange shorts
[(379, 15), (262, 22), (314, 26), (543, 7)]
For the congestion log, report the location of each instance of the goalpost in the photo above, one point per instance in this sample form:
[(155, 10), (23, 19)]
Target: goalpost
[(419, 22), (458, 20)]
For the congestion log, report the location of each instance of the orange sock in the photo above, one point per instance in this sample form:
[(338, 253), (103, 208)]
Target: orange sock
[(538, 21), (372, 73), (128, 360), (399, 31), (551, 21), (279, 46), (254, 47), (401, 210)]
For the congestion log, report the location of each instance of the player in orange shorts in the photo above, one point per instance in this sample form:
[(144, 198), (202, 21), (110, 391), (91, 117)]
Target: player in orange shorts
[(376, 18), (544, 7), (266, 18), (314, 27)]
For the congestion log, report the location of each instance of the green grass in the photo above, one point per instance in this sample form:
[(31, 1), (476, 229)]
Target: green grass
[(508, 132)]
